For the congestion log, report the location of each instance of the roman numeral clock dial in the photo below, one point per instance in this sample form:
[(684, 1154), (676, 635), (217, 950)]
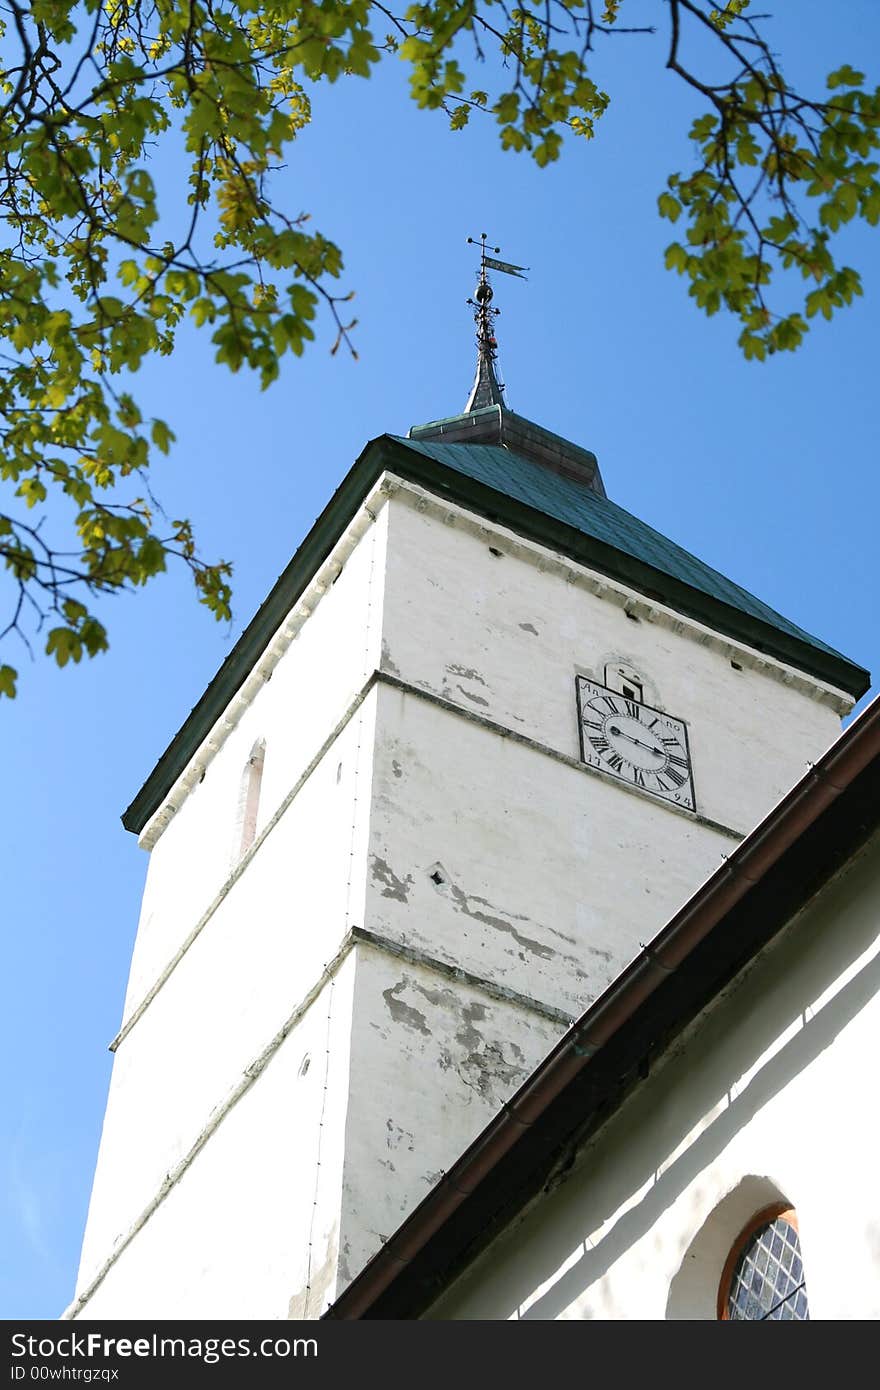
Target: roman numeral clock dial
[(632, 741)]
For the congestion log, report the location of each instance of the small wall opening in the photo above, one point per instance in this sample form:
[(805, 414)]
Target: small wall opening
[(249, 800), (438, 875), (626, 680)]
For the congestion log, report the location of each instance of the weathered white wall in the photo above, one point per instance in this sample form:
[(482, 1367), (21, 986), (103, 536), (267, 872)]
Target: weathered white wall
[(256, 941), (253, 1218), (501, 636), (294, 712), (550, 877), (768, 1096), (250, 967), (432, 1061)]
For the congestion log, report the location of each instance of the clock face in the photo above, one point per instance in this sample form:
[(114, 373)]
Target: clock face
[(632, 741)]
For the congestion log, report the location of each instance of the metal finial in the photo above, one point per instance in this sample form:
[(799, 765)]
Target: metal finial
[(487, 390)]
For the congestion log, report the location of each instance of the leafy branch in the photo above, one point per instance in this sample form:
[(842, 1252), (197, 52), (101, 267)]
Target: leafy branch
[(90, 287), (764, 151)]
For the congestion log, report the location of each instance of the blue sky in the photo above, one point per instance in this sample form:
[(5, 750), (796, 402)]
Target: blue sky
[(768, 472)]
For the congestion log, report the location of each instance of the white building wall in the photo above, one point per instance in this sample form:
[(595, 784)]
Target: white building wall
[(502, 856), (433, 1059), (505, 635), (223, 960), (252, 965), (449, 819), (295, 711), (767, 1097), (550, 876), (253, 1220)]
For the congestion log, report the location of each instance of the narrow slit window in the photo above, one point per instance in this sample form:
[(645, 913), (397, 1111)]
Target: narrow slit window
[(249, 799)]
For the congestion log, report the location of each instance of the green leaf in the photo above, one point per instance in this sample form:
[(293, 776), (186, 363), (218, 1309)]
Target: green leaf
[(161, 436), (676, 258), (703, 128), (845, 77), (64, 645)]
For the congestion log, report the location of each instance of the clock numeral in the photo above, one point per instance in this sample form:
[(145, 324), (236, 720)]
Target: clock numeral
[(592, 723), (670, 742), (631, 709), (600, 744), (638, 777), (615, 761), (674, 777), (675, 761), (611, 703)]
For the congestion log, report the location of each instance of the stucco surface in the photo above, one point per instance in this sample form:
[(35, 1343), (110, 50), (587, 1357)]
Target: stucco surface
[(422, 787), (766, 1098)]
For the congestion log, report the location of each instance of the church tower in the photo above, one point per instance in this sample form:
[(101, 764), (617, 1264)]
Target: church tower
[(486, 733)]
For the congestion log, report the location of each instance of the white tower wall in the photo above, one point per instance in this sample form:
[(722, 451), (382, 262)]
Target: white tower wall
[(436, 886)]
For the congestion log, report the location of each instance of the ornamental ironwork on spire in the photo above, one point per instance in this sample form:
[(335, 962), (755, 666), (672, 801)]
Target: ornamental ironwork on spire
[(487, 419), (487, 389)]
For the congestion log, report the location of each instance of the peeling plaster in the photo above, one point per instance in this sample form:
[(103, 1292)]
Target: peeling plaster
[(387, 663), (463, 903), (486, 1070), (467, 673), (468, 1035), (396, 1137), (477, 699), (345, 1272), (404, 1013), (394, 887), (493, 989)]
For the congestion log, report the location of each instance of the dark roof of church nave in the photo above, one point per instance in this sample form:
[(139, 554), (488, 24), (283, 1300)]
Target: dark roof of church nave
[(546, 489)]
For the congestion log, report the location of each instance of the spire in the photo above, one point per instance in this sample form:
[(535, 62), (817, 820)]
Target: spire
[(487, 389)]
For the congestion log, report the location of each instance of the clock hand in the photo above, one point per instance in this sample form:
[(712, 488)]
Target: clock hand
[(618, 733)]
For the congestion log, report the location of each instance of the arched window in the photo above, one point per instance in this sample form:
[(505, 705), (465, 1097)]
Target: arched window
[(249, 799), (763, 1278)]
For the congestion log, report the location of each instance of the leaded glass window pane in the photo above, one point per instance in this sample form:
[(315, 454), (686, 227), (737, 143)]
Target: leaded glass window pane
[(768, 1278)]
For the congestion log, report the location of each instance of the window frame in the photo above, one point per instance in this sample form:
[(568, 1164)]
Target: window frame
[(764, 1217)]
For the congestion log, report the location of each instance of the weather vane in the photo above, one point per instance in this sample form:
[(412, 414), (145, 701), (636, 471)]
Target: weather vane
[(487, 390)]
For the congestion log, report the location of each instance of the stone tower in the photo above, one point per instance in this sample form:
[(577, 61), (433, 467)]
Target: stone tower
[(485, 734)]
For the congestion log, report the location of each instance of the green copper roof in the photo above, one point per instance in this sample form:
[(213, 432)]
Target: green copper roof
[(563, 513), (580, 507)]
